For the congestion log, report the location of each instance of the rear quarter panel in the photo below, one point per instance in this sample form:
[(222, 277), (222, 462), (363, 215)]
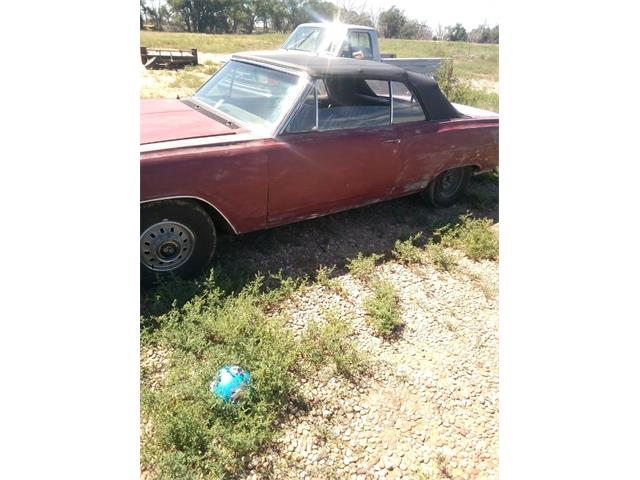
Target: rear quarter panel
[(430, 148)]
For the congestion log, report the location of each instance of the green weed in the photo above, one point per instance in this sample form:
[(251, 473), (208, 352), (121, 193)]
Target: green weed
[(362, 267), (406, 251), (323, 278), (332, 342), (195, 435), (382, 309), (473, 236), (442, 259)]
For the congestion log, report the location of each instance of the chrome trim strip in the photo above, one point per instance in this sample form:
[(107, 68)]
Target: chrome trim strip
[(293, 107), (294, 110), (203, 141), (315, 95), (196, 198), (391, 100)]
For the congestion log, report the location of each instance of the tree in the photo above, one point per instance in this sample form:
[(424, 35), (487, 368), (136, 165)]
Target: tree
[(484, 34), (495, 35), (318, 11), (391, 22), (157, 12), (264, 12), (143, 10), (415, 29), (456, 33)]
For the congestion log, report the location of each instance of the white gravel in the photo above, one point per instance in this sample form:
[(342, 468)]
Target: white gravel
[(427, 406)]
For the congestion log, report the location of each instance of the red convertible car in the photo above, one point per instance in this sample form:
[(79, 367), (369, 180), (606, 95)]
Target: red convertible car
[(277, 137)]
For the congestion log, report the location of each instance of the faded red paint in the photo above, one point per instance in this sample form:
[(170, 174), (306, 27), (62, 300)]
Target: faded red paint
[(163, 120), (263, 183)]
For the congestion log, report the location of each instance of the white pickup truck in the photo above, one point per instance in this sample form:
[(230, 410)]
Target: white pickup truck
[(352, 41)]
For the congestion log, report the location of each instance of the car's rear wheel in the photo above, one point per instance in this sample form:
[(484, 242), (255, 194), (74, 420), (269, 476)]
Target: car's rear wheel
[(177, 237), (447, 188)]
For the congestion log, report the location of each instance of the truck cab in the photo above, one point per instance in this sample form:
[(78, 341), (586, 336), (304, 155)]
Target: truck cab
[(351, 41), (335, 39)]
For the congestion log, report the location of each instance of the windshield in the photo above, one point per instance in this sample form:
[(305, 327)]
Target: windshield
[(251, 94), (316, 39)]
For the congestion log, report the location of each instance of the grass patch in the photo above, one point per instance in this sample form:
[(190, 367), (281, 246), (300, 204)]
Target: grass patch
[(407, 251), (193, 434), (209, 43), (382, 309), (442, 259), (362, 267), (171, 83), (331, 342), (459, 90), (473, 236)]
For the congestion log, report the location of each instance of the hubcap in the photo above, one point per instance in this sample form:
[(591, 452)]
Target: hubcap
[(166, 246), (451, 181)]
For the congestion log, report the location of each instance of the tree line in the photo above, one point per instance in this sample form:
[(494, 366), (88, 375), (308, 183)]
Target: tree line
[(249, 16)]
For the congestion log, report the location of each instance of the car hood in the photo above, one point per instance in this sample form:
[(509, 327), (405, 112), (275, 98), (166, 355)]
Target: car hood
[(165, 120)]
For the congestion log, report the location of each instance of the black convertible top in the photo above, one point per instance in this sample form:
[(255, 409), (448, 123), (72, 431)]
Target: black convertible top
[(426, 88)]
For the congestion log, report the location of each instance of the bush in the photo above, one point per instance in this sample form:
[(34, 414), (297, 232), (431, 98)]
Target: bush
[(407, 252), (442, 259), (473, 236), (195, 434), (331, 342), (382, 309), (362, 267)]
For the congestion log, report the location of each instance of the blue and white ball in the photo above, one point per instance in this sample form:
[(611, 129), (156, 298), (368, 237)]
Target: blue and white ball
[(231, 383)]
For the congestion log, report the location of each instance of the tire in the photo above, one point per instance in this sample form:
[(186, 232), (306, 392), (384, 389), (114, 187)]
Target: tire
[(447, 188), (177, 238)]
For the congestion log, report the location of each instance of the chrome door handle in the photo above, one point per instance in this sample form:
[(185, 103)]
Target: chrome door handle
[(393, 140)]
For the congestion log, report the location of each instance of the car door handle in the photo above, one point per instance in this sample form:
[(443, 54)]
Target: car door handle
[(393, 140)]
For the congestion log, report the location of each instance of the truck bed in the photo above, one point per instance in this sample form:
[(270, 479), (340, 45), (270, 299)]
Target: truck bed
[(426, 66)]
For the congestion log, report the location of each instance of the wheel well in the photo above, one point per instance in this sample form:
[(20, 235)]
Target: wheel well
[(219, 221)]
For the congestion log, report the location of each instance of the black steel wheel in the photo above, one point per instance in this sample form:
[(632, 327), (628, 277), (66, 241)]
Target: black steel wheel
[(447, 188)]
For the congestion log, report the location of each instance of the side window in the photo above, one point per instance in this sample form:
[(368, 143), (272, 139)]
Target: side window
[(344, 103), (305, 118), (360, 41), (354, 103), (406, 107)]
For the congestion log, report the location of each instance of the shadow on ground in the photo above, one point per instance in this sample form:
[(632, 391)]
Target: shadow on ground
[(299, 249)]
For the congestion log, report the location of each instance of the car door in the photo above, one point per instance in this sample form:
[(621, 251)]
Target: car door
[(344, 156), (420, 148)]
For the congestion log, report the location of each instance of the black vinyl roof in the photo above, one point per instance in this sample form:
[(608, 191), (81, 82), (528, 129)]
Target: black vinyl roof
[(426, 88)]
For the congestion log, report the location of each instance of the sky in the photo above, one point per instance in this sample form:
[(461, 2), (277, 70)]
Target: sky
[(470, 13)]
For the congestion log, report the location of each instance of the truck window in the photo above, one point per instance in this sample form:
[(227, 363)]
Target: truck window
[(406, 107), (358, 41)]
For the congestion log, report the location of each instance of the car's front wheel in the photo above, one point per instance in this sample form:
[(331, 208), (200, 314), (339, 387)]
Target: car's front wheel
[(177, 237), (447, 188)]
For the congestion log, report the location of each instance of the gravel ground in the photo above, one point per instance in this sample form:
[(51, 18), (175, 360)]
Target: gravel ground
[(427, 407)]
